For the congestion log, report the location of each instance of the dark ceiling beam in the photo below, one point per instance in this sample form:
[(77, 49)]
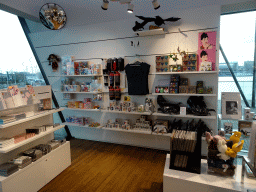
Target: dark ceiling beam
[(18, 13)]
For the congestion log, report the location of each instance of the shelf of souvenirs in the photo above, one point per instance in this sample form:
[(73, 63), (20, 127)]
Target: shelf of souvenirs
[(185, 94), (88, 75), (76, 92), (82, 126), (32, 117), (126, 112), (184, 116), (26, 141), (140, 131), (185, 72), (242, 119), (79, 109)]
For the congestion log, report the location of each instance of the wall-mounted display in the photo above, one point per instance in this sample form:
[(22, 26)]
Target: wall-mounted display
[(207, 51), (231, 105)]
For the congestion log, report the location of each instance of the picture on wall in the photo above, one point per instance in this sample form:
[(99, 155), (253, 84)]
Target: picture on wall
[(207, 51), (231, 105)]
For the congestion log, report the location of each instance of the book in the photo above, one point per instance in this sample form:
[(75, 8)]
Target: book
[(31, 90), (16, 95), (8, 99)]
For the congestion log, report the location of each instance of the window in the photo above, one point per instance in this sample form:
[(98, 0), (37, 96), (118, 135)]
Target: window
[(18, 65), (237, 38)]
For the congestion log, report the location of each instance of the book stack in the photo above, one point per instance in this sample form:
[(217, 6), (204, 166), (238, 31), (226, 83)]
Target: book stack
[(185, 142), (6, 142), (7, 169), (7, 119), (22, 161)]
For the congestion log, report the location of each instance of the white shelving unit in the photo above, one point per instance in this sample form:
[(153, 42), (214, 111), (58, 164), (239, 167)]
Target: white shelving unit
[(77, 109), (96, 75), (20, 144), (34, 176), (184, 95), (81, 92), (124, 112), (85, 126), (36, 116), (192, 72), (159, 31), (129, 131), (184, 116)]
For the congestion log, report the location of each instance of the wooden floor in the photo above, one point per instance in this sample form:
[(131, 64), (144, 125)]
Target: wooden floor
[(98, 166)]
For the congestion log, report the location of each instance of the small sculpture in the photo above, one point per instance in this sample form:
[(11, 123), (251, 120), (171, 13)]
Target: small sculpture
[(53, 60)]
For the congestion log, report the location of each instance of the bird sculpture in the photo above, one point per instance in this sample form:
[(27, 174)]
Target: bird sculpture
[(157, 20)]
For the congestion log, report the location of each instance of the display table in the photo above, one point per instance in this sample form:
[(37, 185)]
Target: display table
[(183, 181)]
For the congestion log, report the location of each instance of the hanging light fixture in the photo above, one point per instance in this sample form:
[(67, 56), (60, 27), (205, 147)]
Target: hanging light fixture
[(155, 4), (105, 4), (130, 8)]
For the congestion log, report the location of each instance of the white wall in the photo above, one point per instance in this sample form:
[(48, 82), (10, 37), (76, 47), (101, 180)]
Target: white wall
[(78, 42)]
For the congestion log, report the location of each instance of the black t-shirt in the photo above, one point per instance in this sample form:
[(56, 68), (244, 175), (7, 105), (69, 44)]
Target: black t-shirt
[(137, 77)]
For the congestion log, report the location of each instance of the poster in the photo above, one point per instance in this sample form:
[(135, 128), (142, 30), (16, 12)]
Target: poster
[(206, 51)]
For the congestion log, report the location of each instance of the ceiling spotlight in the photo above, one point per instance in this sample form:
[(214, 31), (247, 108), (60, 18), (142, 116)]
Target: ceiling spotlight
[(155, 4), (105, 4), (130, 8)]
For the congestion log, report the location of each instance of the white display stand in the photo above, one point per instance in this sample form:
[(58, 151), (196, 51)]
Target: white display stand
[(34, 176), (183, 181), (39, 173)]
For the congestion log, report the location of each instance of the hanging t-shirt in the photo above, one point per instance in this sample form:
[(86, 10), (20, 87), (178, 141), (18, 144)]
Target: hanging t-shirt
[(137, 77)]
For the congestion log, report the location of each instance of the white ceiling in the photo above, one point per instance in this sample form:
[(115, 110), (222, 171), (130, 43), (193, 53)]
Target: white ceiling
[(86, 12)]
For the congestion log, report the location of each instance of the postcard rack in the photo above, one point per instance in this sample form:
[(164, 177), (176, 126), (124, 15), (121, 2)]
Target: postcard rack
[(185, 157)]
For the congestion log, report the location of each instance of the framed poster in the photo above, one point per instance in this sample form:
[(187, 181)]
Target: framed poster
[(231, 105), (206, 51)]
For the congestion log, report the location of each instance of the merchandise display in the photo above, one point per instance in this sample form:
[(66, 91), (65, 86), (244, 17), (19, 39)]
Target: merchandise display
[(185, 149), (221, 152), (86, 104), (162, 63), (137, 77), (78, 120), (143, 123), (181, 85)]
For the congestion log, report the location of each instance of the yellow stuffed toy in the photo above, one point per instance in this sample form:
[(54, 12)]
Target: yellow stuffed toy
[(237, 146)]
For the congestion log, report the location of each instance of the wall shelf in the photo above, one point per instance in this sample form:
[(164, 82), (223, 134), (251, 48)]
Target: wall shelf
[(82, 126), (97, 75), (124, 112), (81, 92), (184, 116), (180, 94), (17, 145), (77, 109), (159, 31), (192, 72), (129, 131), (41, 114)]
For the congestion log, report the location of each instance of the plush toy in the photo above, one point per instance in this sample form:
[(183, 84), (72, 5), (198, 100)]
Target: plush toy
[(222, 148), (235, 137), (237, 144), (215, 138)]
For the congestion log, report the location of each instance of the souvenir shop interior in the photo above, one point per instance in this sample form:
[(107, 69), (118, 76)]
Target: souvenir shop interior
[(128, 96)]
